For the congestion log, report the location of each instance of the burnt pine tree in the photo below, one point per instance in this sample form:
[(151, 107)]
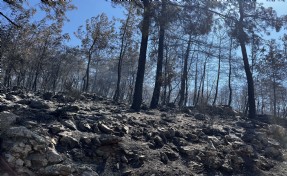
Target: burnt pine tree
[(55, 10), (241, 36), (167, 16), (158, 77), (272, 70), (126, 33), (94, 39), (137, 96), (196, 21), (220, 56), (245, 18)]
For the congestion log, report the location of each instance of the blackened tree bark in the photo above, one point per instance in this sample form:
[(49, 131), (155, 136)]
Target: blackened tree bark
[(164, 102), (229, 74), (39, 64), (201, 84), (7, 77), (250, 84), (87, 76), (122, 53), (158, 77), (184, 74), (274, 97), (137, 97), (218, 74), (195, 85)]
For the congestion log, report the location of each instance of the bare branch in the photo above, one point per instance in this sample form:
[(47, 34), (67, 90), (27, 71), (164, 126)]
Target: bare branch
[(7, 18)]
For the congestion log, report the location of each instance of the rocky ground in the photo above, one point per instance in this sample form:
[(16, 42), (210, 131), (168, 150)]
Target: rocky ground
[(48, 135)]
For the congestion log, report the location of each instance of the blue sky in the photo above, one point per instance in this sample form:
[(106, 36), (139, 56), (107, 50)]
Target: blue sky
[(85, 10), (89, 8)]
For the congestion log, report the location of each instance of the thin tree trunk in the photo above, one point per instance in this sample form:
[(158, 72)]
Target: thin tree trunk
[(195, 85), (274, 98), (202, 81), (7, 77), (184, 74), (122, 53), (35, 80), (186, 99), (218, 74), (158, 78), (169, 93), (229, 74), (137, 97), (165, 77), (86, 85), (186, 92)]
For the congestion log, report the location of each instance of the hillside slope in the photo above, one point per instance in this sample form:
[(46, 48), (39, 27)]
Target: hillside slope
[(45, 135)]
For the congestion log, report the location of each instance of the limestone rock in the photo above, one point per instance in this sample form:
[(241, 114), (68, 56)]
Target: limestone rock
[(70, 124), (47, 95), (158, 142), (53, 156), (272, 152), (172, 156), (38, 105), (56, 128), (105, 129), (109, 139), (38, 160), (89, 173), (58, 169), (199, 116), (10, 97), (84, 126), (69, 142), (164, 158), (6, 120), (23, 132)]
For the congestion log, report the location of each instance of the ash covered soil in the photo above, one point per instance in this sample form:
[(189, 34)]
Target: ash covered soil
[(47, 135)]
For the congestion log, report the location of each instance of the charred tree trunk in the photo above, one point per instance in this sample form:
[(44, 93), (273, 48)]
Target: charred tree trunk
[(229, 75), (158, 77), (7, 77), (250, 84), (87, 76), (218, 75), (39, 64), (34, 87), (195, 85), (120, 63), (165, 77), (86, 84), (184, 74), (137, 97), (186, 92), (274, 98), (202, 82), (122, 53)]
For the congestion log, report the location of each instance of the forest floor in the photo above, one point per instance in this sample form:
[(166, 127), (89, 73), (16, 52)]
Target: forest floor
[(42, 134)]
